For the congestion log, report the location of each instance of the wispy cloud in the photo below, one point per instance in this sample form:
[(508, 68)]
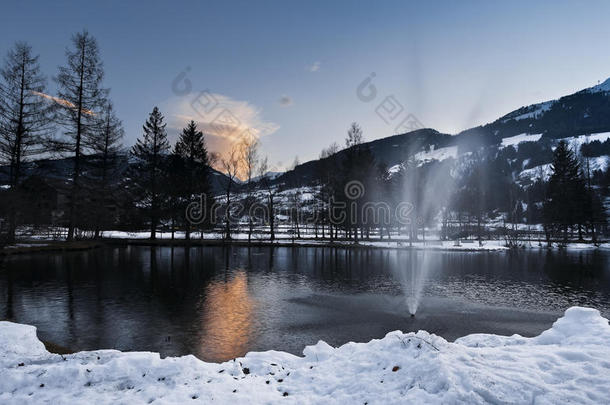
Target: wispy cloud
[(221, 118), (314, 67), (285, 101), (61, 101)]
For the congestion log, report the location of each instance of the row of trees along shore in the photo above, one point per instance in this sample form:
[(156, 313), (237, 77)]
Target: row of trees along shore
[(79, 123), (154, 184), (29, 118)]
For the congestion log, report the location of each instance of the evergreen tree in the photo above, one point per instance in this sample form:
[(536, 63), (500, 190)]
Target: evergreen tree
[(191, 148), (564, 205), (80, 97), (105, 145), (150, 151), (24, 118)]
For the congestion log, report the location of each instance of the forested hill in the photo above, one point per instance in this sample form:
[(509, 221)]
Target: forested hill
[(60, 170), (582, 113)]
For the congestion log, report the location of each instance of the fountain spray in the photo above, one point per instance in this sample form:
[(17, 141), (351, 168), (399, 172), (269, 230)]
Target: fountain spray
[(427, 187)]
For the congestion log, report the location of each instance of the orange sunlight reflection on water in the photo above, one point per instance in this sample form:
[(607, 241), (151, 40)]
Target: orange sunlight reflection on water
[(227, 319)]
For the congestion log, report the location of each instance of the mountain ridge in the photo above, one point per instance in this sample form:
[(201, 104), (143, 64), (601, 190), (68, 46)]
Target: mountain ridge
[(583, 112), (586, 111)]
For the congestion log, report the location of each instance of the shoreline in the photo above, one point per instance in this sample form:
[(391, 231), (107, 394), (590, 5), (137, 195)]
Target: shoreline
[(48, 246)]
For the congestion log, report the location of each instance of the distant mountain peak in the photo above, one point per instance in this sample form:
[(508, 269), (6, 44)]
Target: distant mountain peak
[(605, 86)]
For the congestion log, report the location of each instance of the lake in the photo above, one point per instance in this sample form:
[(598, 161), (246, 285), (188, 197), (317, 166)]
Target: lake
[(219, 303)]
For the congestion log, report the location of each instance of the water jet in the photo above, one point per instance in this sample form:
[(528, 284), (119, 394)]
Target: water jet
[(411, 272)]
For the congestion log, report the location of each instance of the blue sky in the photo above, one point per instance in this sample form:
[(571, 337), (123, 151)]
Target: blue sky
[(289, 71)]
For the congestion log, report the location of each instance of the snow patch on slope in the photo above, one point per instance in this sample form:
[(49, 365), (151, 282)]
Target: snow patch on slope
[(534, 173), (576, 142), (436, 154), (517, 139)]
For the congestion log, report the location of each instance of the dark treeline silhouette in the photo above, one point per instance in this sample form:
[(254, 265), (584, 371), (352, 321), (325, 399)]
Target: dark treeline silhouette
[(99, 186)]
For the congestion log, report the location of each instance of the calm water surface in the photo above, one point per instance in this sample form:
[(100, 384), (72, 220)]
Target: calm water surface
[(218, 303)]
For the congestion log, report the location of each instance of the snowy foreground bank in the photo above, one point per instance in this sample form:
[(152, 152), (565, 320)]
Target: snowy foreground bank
[(569, 363)]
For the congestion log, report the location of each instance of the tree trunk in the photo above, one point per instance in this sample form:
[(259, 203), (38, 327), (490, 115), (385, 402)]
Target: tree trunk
[(75, 184), (271, 217)]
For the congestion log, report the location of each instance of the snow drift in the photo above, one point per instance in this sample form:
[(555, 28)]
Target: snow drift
[(570, 362)]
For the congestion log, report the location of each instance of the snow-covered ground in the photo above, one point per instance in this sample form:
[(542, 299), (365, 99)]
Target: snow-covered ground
[(309, 240), (576, 142), (439, 154), (517, 139), (534, 173), (568, 363), (545, 171), (398, 241)]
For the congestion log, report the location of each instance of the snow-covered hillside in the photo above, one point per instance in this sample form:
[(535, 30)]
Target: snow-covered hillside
[(436, 154), (569, 363), (517, 139), (533, 111), (605, 86)]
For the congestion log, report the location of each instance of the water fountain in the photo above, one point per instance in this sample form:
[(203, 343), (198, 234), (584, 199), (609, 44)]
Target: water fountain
[(411, 271), (427, 189)]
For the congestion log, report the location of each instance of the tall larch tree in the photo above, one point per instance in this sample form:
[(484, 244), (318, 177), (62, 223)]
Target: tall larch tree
[(80, 97), (24, 118)]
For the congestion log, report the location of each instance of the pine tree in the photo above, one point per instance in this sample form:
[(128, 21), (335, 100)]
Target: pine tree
[(80, 97), (24, 118), (150, 151), (191, 148), (566, 193), (105, 145)]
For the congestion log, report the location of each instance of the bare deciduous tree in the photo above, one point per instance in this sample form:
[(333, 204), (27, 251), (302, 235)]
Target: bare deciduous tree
[(231, 165), (270, 190), (330, 151), (249, 154), (354, 135)]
